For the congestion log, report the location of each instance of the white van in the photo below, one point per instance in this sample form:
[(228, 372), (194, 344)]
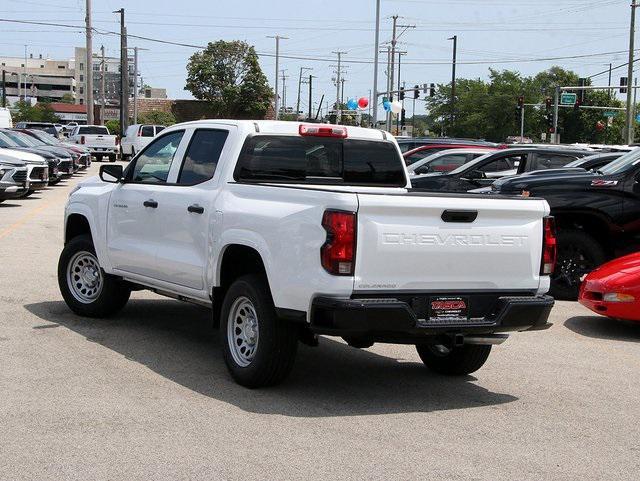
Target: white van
[(137, 137), (5, 118)]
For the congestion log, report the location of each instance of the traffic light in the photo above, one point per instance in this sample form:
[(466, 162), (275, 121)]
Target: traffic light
[(432, 90), (416, 92), (521, 101), (402, 118), (401, 94), (623, 83), (576, 106), (519, 108), (549, 114)]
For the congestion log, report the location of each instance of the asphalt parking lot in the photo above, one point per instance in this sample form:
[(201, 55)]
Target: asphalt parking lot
[(145, 395)]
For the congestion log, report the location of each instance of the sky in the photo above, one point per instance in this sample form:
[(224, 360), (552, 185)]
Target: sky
[(519, 35)]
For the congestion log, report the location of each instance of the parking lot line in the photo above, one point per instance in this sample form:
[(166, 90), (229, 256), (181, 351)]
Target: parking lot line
[(27, 217)]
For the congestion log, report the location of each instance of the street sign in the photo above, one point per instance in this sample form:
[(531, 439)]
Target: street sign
[(568, 99), (609, 114)]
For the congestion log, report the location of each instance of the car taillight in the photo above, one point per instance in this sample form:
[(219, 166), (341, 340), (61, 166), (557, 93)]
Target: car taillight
[(82, 139), (549, 246), (338, 252), (117, 140), (322, 131)]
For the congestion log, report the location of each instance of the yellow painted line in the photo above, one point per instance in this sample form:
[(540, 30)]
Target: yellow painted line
[(27, 217)]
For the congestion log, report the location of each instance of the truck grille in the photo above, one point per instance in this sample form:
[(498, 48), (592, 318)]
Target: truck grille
[(38, 173), (20, 177)]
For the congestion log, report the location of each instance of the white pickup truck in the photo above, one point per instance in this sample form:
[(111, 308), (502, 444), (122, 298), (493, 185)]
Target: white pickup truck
[(289, 231), (97, 139)]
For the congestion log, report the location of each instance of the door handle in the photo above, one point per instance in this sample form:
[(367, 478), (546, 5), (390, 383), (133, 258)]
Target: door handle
[(150, 203), (196, 209)]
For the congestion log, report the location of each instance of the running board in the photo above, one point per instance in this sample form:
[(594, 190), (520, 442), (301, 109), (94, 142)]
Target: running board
[(178, 297)]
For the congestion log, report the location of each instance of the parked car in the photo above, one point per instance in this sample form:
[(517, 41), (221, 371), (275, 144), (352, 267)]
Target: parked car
[(57, 159), (597, 215), (595, 161), (419, 153), (411, 144), (613, 289), (37, 168), (47, 127), (5, 118), (13, 179), (446, 160), (137, 137), (97, 139), (81, 155), (485, 170), (290, 230)]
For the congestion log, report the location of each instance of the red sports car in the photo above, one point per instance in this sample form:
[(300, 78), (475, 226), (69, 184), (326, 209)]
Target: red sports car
[(613, 289)]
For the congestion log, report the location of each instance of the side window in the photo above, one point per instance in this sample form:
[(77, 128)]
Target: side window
[(501, 164), (153, 164), (551, 161), (147, 131), (202, 156), (159, 128)]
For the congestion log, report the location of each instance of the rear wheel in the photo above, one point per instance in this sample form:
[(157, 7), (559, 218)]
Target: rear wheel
[(85, 287), (578, 254), (453, 361), (259, 349), (112, 158)]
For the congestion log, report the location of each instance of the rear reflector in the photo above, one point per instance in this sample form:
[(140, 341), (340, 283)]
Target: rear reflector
[(549, 247), (82, 139), (323, 131), (338, 252)]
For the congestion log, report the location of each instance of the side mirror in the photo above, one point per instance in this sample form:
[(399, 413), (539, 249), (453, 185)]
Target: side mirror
[(111, 173)]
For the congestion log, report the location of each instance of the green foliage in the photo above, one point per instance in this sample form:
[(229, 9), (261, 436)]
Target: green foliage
[(67, 99), (487, 109), (113, 126), (41, 112), (228, 75), (157, 117)]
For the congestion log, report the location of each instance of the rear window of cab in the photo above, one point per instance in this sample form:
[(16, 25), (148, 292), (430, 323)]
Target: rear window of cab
[(319, 160)]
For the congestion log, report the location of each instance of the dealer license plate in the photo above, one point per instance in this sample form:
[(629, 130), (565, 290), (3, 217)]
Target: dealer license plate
[(448, 309)]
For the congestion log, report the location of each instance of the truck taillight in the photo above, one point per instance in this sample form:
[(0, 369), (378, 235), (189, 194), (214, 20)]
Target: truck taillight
[(338, 252), (82, 139), (549, 246), (322, 131)]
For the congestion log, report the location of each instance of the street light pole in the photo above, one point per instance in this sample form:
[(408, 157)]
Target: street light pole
[(629, 119), (89, 71), (453, 80)]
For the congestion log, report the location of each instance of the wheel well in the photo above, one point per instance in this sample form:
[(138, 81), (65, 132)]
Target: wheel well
[(237, 261), (590, 224), (77, 224)]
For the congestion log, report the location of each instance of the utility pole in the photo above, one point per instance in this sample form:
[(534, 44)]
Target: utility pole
[(284, 90), (103, 101), (299, 87), (4, 88), (276, 102), (374, 99), (310, 93), (555, 116), (629, 120), (88, 95), (338, 84), (400, 54), (124, 77), (342, 81), (453, 80), (392, 61), (135, 82), (25, 74), (610, 68)]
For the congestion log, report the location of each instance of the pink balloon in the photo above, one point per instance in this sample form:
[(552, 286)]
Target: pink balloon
[(363, 102)]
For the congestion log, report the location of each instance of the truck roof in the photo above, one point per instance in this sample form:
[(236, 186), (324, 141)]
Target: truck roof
[(280, 127)]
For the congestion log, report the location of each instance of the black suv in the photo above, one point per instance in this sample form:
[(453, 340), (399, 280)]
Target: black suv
[(485, 170), (597, 215)]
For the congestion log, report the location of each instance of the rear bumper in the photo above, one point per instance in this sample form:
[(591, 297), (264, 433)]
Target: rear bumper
[(395, 320)]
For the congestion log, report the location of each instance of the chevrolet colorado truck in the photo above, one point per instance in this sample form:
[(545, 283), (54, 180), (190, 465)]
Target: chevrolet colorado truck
[(290, 230), (597, 214)]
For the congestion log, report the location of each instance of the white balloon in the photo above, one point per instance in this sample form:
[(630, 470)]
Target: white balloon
[(396, 107)]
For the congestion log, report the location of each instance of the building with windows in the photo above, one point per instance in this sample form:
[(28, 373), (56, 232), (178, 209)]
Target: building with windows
[(107, 68), (38, 78)]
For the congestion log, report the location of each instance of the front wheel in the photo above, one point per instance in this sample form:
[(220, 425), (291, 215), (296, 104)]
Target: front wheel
[(85, 287), (258, 348), (454, 361)]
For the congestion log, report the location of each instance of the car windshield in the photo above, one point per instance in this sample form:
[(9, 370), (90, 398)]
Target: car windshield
[(7, 142), (45, 137), (20, 139), (625, 162), (471, 165)]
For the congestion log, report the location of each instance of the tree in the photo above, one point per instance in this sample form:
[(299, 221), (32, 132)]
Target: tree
[(228, 75), (41, 112), (67, 99), (157, 117), (113, 126)]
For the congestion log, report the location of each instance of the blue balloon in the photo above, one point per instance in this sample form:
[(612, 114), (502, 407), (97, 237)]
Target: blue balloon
[(386, 105), (352, 104)]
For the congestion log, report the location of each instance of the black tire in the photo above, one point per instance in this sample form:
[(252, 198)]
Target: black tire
[(112, 158), (277, 340), (457, 361), (578, 254), (113, 295), (27, 194)]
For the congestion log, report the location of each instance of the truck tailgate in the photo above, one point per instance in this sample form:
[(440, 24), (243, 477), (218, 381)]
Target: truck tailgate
[(100, 140), (405, 244)]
